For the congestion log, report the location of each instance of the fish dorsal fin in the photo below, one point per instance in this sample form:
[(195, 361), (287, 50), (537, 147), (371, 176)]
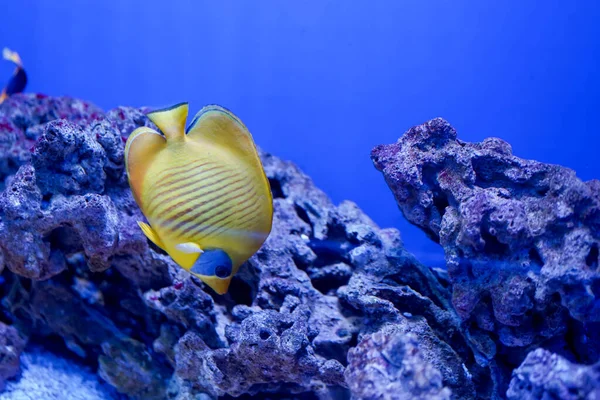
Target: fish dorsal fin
[(218, 126), (140, 150), (170, 120)]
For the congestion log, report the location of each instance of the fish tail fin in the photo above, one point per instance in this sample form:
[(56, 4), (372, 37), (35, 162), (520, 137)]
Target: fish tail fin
[(171, 120), (13, 56)]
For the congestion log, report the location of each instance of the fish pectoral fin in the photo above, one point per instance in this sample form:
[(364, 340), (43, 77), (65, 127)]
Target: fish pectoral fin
[(189, 248), (170, 120), (151, 234)]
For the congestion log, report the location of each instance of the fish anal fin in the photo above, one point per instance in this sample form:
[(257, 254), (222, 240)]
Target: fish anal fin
[(151, 234), (170, 120), (142, 146)]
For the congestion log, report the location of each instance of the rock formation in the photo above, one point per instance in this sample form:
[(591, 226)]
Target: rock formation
[(521, 240), (331, 307)]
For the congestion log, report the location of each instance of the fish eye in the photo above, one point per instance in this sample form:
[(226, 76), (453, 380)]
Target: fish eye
[(222, 271)]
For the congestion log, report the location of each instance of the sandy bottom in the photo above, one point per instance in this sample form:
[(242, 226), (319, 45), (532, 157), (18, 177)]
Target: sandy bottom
[(48, 377)]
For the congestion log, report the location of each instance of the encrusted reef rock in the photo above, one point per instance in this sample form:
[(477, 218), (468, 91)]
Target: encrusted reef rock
[(521, 239), (544, 375), (11, 346), (331, 306), (81, 278), (389, 365)]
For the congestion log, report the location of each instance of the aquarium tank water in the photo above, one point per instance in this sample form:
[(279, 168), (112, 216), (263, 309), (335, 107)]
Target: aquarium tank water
[(299, 200)]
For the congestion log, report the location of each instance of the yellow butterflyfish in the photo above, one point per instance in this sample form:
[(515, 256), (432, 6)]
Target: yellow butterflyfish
[(202, 189)]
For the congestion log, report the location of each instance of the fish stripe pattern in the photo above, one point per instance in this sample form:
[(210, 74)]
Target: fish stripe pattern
[(175, 187), (229, 212), (174, 176), (192, 203), (192, 165), (244, 221), (190, 188), (202, 208)]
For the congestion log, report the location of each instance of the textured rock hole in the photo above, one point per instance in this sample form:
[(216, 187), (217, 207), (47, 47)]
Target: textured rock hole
[(329, 284), (493, 245), (535, 257), (65, 239), (302, 214), (353, 341), (241, 292), (592, 258), (168, 298), (342, 332), (487, 170), (46, 201), (276, 189), (333, 249), (329, 251), (285, 325), (264, 334), (441, 203)]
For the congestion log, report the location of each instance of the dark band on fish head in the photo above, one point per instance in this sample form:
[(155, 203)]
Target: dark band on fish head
[(213, 262)]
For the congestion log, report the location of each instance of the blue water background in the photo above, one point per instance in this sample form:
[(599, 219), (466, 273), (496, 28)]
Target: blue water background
[(321, 82)]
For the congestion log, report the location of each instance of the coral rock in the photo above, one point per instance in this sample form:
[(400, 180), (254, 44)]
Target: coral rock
[(388, 365), (78, 267), (544, 375), (11, 346), (521, 238)]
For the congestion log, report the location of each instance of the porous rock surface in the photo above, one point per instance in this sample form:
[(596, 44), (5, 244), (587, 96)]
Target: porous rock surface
[(521, 240), (544, 375), (81, 278), (398, 355), (11, 346)]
